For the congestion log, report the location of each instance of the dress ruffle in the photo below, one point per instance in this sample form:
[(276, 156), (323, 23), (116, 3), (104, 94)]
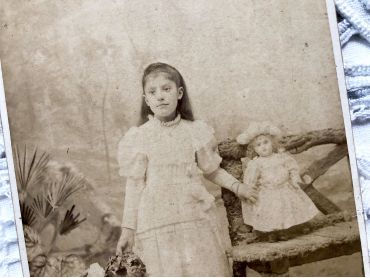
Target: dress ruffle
[(206, 147), (132, 157), (293, 168)]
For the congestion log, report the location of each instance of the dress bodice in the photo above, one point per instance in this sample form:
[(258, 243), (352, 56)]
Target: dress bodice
[(272, 171), (171, 160)]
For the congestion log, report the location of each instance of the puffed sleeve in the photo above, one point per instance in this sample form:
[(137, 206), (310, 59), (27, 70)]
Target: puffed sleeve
[(206, 147), (293, 168), (132, 165), (132, 159), (251, 173)]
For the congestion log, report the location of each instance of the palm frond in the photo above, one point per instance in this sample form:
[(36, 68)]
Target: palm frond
[(41, 206), (28, 214), (58, 192), (30, 171), (70, 222)]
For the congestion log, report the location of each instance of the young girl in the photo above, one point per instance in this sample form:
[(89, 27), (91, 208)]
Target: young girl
[(168, 214), (281, 203)]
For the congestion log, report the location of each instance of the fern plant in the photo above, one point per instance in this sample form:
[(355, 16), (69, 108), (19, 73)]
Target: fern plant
[(41, 206), (58, 192), (30, 171), (28, 214), (70, 221), (44, 187)]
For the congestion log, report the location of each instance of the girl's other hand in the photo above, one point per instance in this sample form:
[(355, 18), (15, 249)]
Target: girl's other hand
[(247, 193), (126, 241), (307, 179)]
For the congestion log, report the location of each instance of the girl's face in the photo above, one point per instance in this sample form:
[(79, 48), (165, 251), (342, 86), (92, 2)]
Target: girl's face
[(162, 95), (263, 145)]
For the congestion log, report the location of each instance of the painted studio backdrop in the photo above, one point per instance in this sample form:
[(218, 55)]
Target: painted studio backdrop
[(72, 74)]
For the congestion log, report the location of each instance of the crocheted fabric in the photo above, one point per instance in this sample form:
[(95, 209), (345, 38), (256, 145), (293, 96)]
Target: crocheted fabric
[(354, 31), (10, 264)]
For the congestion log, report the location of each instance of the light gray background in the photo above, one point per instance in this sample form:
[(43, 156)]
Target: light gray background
[(72, 74)]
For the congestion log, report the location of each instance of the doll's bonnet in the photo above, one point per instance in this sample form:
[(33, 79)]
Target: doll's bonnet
[(255, 129)]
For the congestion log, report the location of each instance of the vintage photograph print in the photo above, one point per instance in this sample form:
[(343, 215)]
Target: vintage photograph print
[(178, 138)]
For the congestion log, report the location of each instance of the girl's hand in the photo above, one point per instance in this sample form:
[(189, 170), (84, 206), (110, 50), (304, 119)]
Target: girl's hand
[(126, 241), (247, 193)]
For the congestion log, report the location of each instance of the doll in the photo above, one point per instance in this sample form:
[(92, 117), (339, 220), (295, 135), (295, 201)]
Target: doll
[(281, 203)]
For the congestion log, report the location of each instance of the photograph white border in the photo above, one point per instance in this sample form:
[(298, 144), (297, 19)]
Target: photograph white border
[(349, 134), (13, 183)]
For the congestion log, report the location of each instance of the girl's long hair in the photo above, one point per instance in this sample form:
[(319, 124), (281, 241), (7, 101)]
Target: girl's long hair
[(183, 105)]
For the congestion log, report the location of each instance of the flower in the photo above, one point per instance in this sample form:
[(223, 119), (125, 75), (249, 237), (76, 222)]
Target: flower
[(127, 265), (95, 270)]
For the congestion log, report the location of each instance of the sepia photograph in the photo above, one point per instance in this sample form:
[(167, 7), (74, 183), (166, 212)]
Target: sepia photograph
[(178, 138)]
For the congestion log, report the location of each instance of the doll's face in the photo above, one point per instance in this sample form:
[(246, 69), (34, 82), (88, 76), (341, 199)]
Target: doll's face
[(162, 95), (262, 145)]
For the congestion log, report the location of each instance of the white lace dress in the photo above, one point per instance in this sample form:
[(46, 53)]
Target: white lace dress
[(172, 212), (281, 203)]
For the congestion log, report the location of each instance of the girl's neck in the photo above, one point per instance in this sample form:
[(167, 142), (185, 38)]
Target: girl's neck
[(170, 123), (267, 156), (167, 118)]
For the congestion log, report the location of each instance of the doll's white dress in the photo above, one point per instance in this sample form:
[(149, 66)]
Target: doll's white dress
[(281, 203), (173, 214)]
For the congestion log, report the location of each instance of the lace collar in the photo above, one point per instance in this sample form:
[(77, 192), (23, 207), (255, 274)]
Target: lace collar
[(166, 124)]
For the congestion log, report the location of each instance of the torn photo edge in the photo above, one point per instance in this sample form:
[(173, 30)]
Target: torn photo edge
[(348, 128), (12, 179)]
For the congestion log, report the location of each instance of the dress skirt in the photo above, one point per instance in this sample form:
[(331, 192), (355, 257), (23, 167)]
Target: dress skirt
[(183, 249), (279, 208)]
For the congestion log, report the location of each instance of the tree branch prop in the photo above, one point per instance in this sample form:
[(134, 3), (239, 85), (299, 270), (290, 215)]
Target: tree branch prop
[(299, 143), (295, 144), (317, 169), (321, 166)]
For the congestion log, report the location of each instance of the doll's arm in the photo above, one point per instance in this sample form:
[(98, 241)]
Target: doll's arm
[(250, 173), (295, 177), (134, 187), (293, 169)]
